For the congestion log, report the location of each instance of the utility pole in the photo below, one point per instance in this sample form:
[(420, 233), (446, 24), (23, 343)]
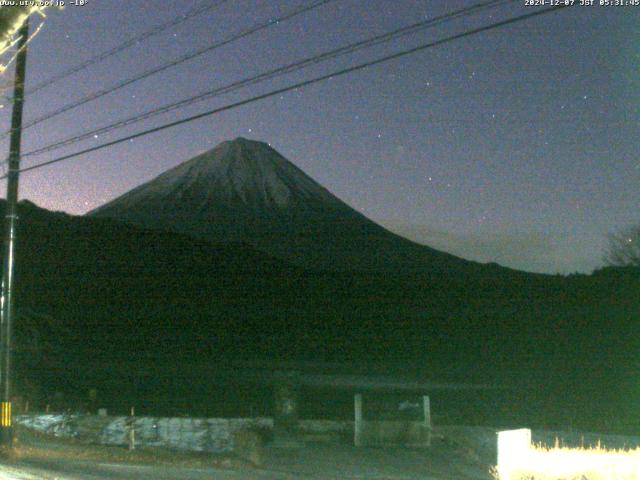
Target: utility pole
[(6, 299)]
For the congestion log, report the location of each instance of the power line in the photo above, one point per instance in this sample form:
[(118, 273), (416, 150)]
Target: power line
[(173, 63), (313, 60), (129, 43), (298, 85)]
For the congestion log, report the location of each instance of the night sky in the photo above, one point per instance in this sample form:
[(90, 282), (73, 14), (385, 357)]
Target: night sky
[(518, 145)]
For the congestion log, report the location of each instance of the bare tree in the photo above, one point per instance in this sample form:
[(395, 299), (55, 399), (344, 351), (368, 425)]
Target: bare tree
[(624, 248)]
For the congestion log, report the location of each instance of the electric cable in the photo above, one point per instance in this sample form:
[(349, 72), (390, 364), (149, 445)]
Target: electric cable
[(286, 69), (298, 85), (173, 63), (128, 43)]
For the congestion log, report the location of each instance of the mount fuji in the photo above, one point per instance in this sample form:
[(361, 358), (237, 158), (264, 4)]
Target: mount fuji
[(245, 191)]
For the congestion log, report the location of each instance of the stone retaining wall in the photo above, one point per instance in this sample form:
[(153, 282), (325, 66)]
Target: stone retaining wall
[(214, 435), (193, 434)]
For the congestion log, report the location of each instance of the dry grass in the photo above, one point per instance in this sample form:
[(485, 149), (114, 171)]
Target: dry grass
[(542, 463)]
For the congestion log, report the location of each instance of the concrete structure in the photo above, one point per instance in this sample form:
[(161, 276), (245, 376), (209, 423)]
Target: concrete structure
[(215, 435), (378, 432), (513, 445), (286, 432), (358, 422), (426, 411)]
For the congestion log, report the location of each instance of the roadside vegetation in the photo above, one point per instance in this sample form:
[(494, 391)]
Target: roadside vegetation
[(563, 463)]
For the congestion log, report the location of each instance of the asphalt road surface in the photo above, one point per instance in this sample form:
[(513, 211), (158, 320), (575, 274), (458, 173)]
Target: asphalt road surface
[(47, 458), (318, 463), (91, 470)]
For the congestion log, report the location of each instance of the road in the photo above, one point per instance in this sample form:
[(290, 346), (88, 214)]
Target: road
[(91, 470), (47, 458), (329, 465)]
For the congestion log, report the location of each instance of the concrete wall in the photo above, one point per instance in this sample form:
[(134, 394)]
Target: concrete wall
[(392, 432), (211, 434), (194, 434)]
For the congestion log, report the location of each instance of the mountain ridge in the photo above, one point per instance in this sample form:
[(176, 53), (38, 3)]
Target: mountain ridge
[(244, 190), (125, 293)]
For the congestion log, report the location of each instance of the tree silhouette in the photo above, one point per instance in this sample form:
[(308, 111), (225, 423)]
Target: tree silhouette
[(624, 248)]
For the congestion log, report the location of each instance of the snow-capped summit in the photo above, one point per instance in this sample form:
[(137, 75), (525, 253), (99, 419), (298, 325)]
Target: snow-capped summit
[(245, 191), (243, 171)]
